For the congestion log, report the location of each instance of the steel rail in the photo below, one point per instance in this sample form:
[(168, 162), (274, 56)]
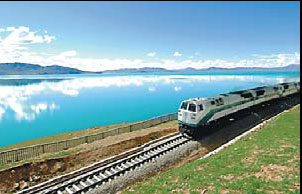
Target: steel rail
[(90, 177)]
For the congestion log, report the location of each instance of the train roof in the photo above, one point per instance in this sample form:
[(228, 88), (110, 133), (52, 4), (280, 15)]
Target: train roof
[(239, 92)]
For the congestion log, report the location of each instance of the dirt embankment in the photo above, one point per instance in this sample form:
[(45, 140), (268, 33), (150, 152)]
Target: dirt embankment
[(32, 173)]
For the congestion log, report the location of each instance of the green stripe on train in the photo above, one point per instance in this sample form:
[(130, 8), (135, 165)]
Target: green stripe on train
[(210, 114), (222, 108), (214, 111)]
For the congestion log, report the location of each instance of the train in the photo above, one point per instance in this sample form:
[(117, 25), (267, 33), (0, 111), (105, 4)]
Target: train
[(197, 112)]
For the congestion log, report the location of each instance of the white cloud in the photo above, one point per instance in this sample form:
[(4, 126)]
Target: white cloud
[(151, 54), (53, 106), (177, 88), (15, 47), (177, 54), (2, 111), (39, 107), (23, 35), (151, 89)]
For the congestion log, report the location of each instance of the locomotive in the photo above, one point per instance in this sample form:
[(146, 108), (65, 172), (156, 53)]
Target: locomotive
[(197, 112)]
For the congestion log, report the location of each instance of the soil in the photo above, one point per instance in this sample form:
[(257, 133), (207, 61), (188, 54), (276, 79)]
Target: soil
[(32, 173)]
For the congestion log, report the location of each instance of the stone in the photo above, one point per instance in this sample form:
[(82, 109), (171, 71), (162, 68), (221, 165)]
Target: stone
[(23, 185), (36, 178), (16, 186)]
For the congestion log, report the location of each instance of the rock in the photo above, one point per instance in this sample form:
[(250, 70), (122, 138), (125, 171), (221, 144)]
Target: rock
[(36, 178), (23, 185), (16, 186)]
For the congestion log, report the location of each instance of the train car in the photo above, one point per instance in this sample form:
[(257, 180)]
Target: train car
[(197, 112)]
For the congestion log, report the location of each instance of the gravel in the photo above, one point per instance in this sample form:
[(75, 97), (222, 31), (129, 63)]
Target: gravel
[(149, 168)]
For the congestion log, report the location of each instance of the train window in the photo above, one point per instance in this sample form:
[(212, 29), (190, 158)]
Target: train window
[(247, 95), (184, 106), (192, 107), (220, 100), (212, 102), (286, 87), (200, 107), (259, 92)]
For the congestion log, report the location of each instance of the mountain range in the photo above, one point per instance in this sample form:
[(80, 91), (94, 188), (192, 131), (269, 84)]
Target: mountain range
[(31, 69), (293, 67)]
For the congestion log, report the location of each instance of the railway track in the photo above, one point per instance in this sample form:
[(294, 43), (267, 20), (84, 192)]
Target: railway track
[(95, 175)]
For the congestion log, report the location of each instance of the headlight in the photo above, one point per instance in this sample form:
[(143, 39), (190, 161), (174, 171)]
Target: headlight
[(193, 118)]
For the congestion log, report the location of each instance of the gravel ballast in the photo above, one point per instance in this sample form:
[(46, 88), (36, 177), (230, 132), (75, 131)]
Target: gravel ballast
[(151, 167)]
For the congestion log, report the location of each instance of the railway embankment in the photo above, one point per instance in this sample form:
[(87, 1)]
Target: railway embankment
[(34, 171), (266, 160)]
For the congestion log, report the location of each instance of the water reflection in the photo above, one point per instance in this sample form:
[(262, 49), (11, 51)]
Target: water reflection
[(17, 95)]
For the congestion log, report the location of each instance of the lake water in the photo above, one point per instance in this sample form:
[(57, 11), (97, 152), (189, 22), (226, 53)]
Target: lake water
[(37, 106)]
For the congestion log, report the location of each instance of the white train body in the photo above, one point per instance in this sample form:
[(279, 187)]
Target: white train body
[(196, 112)]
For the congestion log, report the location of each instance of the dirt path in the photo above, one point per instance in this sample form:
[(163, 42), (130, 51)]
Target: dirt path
[(32, 173)]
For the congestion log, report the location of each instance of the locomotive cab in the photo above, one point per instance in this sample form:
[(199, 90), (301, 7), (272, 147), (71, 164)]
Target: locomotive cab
[(188, 114)]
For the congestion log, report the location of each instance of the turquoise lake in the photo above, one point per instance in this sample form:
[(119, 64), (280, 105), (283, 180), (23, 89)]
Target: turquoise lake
[(35, 106)]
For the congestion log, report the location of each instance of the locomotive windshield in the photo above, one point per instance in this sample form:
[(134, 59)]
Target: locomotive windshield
[(184, 106), (200, 107), (192, 107)]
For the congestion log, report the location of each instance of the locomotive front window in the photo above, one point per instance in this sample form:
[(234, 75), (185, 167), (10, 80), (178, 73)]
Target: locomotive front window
[(200, 107), (184, 106), (192, 107)]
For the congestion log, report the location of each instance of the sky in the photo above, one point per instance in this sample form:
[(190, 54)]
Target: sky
[(97, 36)]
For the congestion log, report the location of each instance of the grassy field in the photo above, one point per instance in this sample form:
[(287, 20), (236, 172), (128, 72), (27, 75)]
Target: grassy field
[(267, 161)]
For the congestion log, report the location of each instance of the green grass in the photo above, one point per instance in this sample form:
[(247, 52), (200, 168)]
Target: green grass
[(265, 161)]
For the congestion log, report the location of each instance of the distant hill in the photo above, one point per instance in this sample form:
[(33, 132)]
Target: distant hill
[(292, 67), (30, 69), (137, 70)]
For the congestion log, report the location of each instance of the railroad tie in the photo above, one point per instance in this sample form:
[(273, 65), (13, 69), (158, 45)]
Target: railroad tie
[(90, 181), (108, 172), (96, 178), (83, 184), (113, 170), (59, 192), (119, 168), (123, 165), (69, 190), (143, 157), (76, 187)]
